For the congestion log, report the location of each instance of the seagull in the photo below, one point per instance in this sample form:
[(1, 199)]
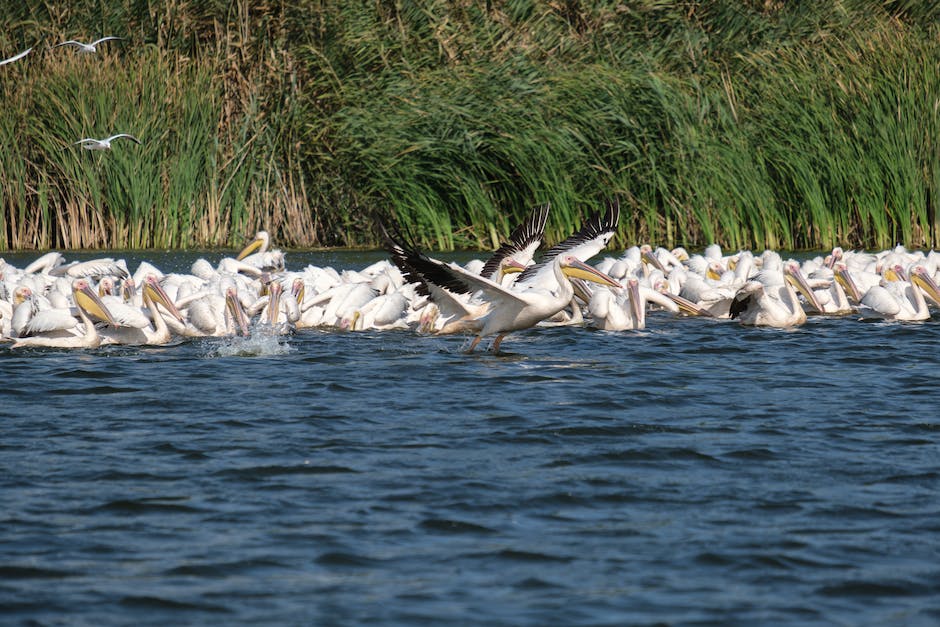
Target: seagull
[(90, 143), (86, 48), (17, 57)]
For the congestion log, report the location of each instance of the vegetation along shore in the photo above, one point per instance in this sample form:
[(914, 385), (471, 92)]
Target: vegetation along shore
[(752, 123)]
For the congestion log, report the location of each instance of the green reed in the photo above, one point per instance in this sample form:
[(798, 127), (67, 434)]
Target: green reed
[(750, 124)]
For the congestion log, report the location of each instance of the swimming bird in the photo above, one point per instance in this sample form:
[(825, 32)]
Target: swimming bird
[(16, 57), (899, 299), (771, 298), (156, 332), (87, 305), (90, 143), (86, 48)]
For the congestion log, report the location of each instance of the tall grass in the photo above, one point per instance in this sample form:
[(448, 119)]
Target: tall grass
[(795, 125)]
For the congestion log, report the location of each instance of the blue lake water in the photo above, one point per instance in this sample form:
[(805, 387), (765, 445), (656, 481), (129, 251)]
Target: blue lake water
[(697, 472)]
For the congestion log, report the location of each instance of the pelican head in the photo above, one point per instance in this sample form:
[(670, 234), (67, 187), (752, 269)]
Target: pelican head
[(571, 266), (155, 292), (510, 266), (794, 277), (894, 273), (647, 255), (106, 286), (21, 294), (259, 244), (922, 279), (714, 270), (298, 290), (841, 273), (88, 301)]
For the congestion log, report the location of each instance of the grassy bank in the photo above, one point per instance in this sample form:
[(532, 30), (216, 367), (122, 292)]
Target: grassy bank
[(744, 123)]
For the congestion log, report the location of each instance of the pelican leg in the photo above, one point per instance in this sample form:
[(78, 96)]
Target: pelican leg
[(474, 343), (497, 342)]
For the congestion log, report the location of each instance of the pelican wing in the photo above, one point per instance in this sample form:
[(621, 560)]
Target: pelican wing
[(523, 242), (587, 242), (744, 297), (93, 268), (881, 300), (103, 39), (48, 320), (70, 42)]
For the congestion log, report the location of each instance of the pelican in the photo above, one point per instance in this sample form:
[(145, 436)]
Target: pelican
[(898, 299), (87, 303), (156, 332), (16, 57), (770, 299), (86, 48), (511, 309), (90, 143), (256, 254)]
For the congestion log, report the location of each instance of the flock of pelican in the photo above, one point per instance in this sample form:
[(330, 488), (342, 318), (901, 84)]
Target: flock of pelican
[(52, 303)]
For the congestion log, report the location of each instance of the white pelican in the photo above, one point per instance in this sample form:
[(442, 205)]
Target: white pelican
[(898, 299), (511, 309), (16, 57), (770, 299), (156, 332), (257, 255), (90, 143), (86, 48), (86, 303)]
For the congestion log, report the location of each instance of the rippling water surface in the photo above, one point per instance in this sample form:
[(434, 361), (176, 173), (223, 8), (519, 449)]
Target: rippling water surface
[(695, 472)]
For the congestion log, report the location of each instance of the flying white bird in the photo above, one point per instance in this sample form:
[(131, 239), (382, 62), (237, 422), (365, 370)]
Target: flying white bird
[(90, 143), (17, 57), (86, 48)]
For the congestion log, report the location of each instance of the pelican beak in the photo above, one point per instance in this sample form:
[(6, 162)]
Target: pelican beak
[(579, 269), (636, 306), (236, 311), (733, 262), (797, 280), (847, 282), (157, 294), (650, 258), (274, 305), (685, 305), (581, 290), (712, 274), (357, 315), (90, 302), (252, 246), (511, 266), (299, 290), (925, 282)]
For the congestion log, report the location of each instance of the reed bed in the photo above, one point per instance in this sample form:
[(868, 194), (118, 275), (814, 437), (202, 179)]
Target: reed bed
[(744, 123)]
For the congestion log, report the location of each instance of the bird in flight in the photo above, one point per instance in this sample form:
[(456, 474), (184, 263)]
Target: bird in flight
[(86, 48), (16, 57), (90, 143)]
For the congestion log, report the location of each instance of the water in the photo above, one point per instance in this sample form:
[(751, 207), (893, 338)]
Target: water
[(697, 472)]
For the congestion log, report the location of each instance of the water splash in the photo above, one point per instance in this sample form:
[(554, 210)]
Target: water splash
[(263, 341)]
